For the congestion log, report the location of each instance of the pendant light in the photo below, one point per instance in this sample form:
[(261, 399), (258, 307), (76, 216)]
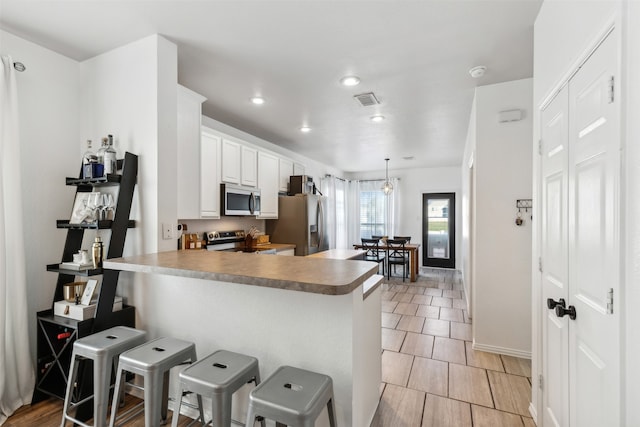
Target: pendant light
[(387, 187)]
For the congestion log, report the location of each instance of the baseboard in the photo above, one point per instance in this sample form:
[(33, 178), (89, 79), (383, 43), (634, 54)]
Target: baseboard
[(533, 412), (501, 350)]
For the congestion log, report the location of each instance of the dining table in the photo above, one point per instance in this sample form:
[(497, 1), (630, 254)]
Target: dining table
[(412, 248)]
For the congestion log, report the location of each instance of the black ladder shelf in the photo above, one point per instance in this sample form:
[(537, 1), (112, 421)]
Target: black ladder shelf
[(56, 334)]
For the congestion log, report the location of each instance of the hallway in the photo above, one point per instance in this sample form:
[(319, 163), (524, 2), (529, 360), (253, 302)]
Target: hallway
[(431, 375)]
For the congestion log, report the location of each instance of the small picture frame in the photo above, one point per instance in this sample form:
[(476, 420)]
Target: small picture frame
[(81, 209), (89, 289)]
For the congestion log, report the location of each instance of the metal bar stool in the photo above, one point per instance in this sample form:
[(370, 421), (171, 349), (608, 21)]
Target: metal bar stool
[(217, 376), (152, 361), (102, 348), (292, 397)]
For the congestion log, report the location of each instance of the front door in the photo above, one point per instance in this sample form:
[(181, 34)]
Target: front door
[(581, 246), (439, 230)]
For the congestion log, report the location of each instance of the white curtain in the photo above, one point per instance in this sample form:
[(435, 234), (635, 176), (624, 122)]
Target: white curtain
[(16, 371), (335, 190)]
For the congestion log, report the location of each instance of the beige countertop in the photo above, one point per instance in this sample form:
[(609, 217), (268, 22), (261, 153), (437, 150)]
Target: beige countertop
[(305, 274), (338, 254)]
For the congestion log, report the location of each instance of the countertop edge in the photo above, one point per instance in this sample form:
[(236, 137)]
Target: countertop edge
[(133, 264)]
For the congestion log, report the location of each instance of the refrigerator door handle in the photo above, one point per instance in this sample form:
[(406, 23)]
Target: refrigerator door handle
[(320, 222)]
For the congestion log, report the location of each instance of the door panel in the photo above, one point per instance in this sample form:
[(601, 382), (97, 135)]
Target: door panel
[(594, 255), (554, 166), (438, 230)]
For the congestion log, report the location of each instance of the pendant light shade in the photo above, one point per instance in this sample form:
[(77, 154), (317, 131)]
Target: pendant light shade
[(387, 187)]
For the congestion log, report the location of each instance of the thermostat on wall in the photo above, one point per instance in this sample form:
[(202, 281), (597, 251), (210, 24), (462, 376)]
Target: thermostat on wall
[(509, 116)]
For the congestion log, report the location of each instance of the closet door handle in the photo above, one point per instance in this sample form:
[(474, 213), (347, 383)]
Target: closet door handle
[(551, 304), (571, 311)]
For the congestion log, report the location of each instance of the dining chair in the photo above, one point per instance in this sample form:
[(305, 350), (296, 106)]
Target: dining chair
[(407, 238), (397, 255), (373, 252)]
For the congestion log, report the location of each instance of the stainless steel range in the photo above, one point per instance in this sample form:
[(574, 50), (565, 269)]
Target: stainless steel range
[(224, 240)]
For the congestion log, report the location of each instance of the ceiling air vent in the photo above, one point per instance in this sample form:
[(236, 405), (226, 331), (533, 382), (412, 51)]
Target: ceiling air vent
[(367, 99)]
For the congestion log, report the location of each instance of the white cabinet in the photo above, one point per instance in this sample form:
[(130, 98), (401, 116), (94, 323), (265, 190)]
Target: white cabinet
[(249, 166), (268, 182), (239, 163), (209, 175), (189, 118), (285, 171), (298, 169), (230, 161)]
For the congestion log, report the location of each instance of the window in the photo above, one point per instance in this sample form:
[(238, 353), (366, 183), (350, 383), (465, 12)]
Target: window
[(373, 210)]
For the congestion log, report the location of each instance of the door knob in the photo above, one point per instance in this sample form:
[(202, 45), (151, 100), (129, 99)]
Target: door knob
[(551, 304), (571, 311)]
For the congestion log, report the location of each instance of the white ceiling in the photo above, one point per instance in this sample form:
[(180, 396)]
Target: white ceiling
[(415, 55)]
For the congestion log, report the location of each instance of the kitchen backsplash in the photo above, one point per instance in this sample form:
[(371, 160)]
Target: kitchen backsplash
[(227, 223)]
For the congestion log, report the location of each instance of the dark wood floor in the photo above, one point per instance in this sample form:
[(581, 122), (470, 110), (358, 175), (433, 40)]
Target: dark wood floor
[(48, 413)]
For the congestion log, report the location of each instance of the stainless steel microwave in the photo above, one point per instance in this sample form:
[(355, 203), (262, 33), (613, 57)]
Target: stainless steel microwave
[(239, 201)]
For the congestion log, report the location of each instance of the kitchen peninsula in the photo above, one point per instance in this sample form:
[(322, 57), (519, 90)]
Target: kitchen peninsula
[(299, 311)]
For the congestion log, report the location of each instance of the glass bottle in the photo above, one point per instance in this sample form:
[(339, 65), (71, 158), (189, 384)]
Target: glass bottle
[(110, 159), (88, 160), (100, 154)]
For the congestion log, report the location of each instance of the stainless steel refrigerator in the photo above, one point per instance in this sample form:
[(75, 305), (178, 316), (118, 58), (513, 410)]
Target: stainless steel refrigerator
[(301, 221)]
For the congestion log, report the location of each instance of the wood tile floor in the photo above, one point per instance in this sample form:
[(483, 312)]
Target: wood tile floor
[(431, 375)]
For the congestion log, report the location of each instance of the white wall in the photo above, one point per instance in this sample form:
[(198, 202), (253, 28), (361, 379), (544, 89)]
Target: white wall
[(49, 107), (564, 33), (501, 294), (413, 183), (125, 93), (468, 205)]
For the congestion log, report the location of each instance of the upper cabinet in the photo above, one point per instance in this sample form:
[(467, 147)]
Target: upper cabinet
[(249, 167), (285, 171), (298, 169), (230, 161), (188, 165), (209, 174), (268, 182)]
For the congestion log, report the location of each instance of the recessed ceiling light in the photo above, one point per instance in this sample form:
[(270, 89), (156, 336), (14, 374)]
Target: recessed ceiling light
[(350, 80), (407, 157), (258, 100), (305, 129), (377, 118), (477, 72)]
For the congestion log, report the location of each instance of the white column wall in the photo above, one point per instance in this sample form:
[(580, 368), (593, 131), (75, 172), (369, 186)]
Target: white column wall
[(123, 95), (49, 109), (564, 33), (468, 207), (501, 276)]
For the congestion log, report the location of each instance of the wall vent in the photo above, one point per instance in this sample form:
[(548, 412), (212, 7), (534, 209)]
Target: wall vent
[(366, 99)]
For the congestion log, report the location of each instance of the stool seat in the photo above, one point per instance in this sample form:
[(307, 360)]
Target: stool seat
[(152, 361), (292, 396), (217, 376), (102, 348)]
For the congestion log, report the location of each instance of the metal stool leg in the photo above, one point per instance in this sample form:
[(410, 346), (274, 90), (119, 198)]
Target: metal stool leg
[(331, 407), (116, 395), (73, 374), (101, 383)]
